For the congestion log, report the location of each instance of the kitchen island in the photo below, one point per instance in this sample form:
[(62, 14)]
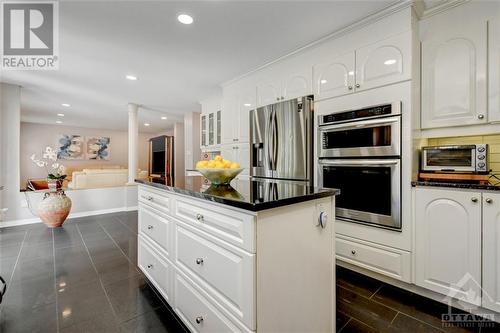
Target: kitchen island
[(254, 256)]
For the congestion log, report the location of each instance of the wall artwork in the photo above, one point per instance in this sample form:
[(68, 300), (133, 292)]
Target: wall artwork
[(71, 147), (98, 148)]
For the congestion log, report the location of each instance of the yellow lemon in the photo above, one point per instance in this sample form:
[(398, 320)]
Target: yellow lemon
[(218, 158), (211, 164), (235, 165), (226, 164), (219, 165), (201, 164)]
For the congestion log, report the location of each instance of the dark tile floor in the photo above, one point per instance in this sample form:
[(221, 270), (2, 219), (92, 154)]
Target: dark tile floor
[(84, 278), (79, 278)]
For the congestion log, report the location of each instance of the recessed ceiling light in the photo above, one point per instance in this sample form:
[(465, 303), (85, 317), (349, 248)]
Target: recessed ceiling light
[(66, 105), (323, 81), (163, 118), (58, 122), (146, 124), (247, 104), (131, 77), (390, 62), (60, 114), (185, 19)]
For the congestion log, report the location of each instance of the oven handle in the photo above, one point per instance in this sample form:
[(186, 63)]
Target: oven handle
[(361, 124), (359, 162)]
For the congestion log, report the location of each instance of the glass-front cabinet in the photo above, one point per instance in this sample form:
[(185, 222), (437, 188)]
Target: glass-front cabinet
[(210, 129)]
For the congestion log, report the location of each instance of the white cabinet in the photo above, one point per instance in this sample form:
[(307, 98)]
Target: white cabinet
[(283, 83), (494, 70), (236, 114), (238, 153), (448, 242), (384, 62), (203, 130), (454, 74), (491, 251), (210, 123), (335, 78)]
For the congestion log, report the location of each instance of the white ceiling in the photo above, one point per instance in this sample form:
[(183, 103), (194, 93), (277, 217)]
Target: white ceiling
[(177, 65)]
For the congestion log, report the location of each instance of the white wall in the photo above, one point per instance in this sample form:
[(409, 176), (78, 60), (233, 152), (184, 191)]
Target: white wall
[(10, 114), (179, 169), (35, 137)]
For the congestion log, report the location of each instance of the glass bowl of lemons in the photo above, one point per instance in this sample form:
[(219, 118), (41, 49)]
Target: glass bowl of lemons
[(219, 171)]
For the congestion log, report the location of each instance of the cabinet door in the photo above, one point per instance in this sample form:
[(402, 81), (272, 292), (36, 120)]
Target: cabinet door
[(335, 78), (454, 76), (242, 156), (211, 129), (218, 127), (203, 130), (230, 111), (384, 62), (491, 251), (247, 103), (494, 70), (448, 243), (298, 83), (268, 92), (228, 152)]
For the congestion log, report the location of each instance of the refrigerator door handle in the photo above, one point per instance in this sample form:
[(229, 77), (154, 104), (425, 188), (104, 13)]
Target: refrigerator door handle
[(269, 160), (275, 141)]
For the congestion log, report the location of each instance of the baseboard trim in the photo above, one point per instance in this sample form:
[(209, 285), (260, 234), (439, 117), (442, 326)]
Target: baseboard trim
[(13, 223)]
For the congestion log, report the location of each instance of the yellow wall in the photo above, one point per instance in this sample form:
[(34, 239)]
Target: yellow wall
[(493, 142)]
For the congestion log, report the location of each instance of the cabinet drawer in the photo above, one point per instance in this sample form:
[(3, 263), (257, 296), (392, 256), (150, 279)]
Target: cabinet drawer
[(384, 260), (229, 225), (156, 226), (154, 198), (158, 270), (197, 312), (226, 272)]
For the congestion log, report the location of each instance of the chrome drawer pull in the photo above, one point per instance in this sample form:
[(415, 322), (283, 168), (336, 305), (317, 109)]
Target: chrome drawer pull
[(353, 252), (199, 261), (489, 200), (474, 199), (199, 217), (148, 198), (199, 319), (150, 266), (150, 227)]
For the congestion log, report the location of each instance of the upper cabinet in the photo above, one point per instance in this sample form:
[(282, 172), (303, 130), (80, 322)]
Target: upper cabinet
[(385, 62), (284, 82), (210, 123), (335, 78), (454, 76), (494, 69), (238, 101)]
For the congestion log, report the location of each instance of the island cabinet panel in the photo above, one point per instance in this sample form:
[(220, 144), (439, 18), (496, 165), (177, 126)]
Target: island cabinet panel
[(223, 270), (448, 242), (198, 312), (229, 225), (158, 269), (156, 226), (155, 199), (491, 251)]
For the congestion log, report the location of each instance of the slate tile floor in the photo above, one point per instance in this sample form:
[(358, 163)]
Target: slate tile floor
[(84, 278)]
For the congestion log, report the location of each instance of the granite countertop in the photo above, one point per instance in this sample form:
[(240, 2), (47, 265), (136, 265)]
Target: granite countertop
[(251, 194), (488, 187)]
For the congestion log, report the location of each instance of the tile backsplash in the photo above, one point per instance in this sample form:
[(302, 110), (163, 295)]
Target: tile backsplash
[(493, 142)]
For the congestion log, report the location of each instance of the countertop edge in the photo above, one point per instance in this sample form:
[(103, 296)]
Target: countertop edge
[(460, 186), (253, 207)]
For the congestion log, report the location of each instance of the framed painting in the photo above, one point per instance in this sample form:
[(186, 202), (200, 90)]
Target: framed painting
[(98, 148), (71, 147)]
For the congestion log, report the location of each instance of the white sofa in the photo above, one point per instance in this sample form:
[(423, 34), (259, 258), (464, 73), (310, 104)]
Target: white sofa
[(96, 178)]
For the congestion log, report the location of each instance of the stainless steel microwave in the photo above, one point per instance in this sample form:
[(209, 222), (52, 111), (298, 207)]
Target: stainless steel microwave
[(456, 158)]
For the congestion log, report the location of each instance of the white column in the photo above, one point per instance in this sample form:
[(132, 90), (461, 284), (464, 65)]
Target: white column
[(10, 124), (133, 137)]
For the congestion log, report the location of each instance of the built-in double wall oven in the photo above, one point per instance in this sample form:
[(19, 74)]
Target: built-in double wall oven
[(360, 154)]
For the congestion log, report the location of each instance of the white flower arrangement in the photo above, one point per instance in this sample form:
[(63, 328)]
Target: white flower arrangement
[(49, 158)]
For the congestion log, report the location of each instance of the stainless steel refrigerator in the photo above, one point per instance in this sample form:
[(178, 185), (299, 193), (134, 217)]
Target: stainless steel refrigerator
[(281, 137)]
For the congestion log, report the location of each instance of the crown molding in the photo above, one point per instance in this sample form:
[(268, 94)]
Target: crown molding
[(391, 9), (426, 13)]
